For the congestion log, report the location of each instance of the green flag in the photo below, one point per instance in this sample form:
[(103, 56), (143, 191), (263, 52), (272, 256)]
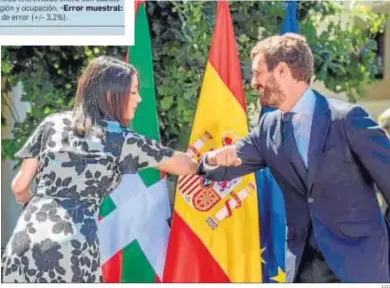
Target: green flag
[(133, 227)]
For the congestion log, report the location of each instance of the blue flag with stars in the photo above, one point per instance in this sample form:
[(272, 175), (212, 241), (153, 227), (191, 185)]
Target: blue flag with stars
[(270, 197)]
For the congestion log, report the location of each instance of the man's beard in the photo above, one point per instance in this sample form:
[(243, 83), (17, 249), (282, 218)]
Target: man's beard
[(273, 95)]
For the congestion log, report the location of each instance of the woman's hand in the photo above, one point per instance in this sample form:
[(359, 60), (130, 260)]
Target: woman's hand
[(179, 164), (22, 197)]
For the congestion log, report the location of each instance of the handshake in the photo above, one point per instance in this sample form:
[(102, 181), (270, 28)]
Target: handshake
[(226, 156)]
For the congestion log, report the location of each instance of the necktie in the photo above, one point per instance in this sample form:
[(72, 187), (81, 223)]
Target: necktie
[(291, 147), (295, 159), (287, 122), (288, 132)]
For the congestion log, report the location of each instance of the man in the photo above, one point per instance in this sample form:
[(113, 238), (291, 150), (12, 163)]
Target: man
[(326, 156)]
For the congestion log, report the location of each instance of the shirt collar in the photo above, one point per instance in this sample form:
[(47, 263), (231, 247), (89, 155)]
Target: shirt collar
[(305, 104)]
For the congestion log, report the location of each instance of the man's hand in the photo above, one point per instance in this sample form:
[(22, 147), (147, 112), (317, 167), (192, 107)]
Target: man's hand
[(226, 156)]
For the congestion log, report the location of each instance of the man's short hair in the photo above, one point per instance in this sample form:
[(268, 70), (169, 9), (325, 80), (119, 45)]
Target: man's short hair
[(289, 48)]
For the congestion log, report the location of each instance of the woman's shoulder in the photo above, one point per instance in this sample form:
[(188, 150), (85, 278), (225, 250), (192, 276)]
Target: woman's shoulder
[(114, 130), (52, 120), (58, 116)]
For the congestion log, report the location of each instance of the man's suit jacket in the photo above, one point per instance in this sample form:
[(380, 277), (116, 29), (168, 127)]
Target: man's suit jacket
[(348, 153)]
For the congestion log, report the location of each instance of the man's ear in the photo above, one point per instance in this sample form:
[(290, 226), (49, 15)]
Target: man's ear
[(283, 70)]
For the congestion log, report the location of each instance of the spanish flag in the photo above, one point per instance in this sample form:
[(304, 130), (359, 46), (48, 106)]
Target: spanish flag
[(215, 229)]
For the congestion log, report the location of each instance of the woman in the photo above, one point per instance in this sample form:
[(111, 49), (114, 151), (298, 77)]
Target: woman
[(77, 159)]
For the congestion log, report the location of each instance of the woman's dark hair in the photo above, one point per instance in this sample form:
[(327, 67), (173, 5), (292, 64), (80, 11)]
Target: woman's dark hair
[(103, 91)]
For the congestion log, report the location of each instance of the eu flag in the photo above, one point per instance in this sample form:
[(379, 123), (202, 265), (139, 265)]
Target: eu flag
[(270, 197)]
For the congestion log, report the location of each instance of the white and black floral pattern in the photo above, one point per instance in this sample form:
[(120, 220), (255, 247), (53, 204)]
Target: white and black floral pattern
[(55, 239)]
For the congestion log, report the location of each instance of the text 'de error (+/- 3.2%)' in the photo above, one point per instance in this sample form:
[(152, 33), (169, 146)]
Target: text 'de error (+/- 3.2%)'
[(62, 17)]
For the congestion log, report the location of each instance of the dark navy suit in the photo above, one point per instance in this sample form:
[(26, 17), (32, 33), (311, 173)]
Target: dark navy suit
[(335, 195)]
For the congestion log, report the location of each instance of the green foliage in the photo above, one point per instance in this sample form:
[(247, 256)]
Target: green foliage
[(345, 52), (6, 81), (49, 76), (181, 34)]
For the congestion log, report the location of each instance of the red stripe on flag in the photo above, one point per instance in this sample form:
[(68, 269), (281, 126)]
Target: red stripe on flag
[(188, 184), (192, 191), (188, 260), (223, 46), (137, 3), (183, 179), (112, 269)]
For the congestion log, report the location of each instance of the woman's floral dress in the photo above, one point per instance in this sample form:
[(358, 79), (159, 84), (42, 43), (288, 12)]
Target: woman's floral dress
[(55, 238)]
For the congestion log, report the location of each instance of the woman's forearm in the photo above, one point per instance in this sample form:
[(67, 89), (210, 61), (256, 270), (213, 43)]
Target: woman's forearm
[(179, 164)]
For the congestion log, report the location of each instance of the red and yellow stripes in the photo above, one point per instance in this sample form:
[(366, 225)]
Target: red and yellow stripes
[(228, 249), (223, 54)]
